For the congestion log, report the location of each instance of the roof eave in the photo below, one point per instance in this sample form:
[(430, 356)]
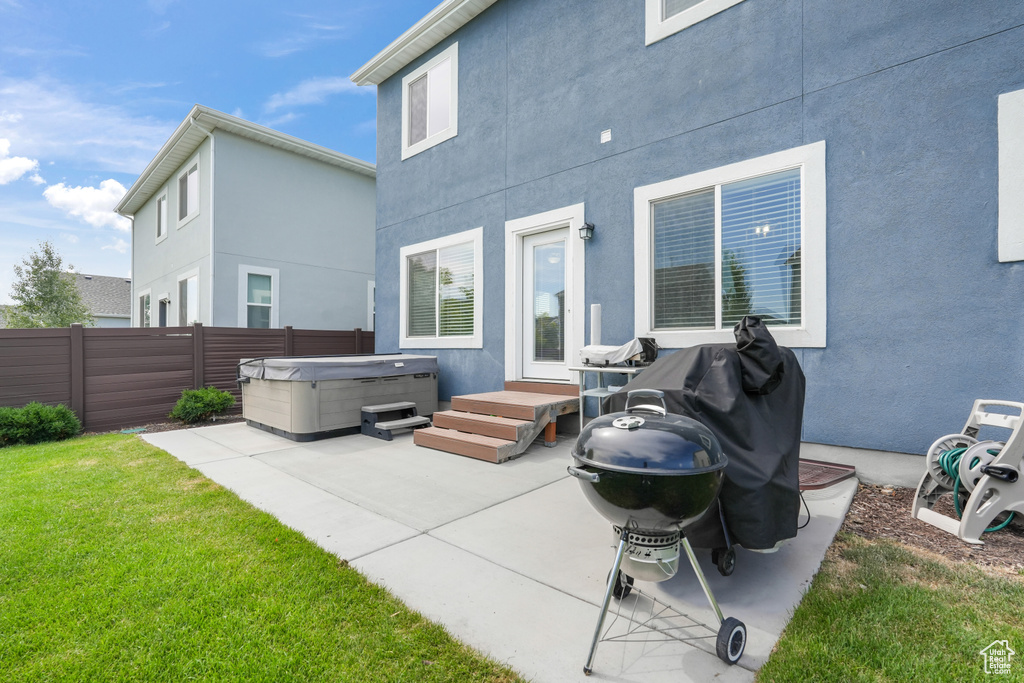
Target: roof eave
[(443, 20)]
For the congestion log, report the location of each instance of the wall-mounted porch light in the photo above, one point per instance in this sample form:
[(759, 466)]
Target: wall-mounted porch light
[(586, 231)]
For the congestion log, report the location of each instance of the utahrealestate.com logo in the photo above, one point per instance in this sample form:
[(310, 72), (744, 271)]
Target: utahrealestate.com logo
[(997, 657)]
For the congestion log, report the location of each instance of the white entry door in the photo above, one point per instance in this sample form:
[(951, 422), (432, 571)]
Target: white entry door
[(545, 328)]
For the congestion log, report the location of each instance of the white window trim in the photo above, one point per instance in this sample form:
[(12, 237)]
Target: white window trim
[(167, 228), (811, 160), (243, 294), (571, 217), (138, 307), (1011, 176), (658, 28), (451, 52), (474, 341), (177, 293), (194, 161)]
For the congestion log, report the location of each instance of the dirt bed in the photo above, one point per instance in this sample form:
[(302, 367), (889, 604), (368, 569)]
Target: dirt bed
[(884, 512)]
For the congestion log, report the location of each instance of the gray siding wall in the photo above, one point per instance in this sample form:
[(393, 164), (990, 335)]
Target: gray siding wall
[(922, 319), (157, 266), (312, 221)]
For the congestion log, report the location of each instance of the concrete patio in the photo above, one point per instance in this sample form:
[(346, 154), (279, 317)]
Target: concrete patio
[(510, 558)]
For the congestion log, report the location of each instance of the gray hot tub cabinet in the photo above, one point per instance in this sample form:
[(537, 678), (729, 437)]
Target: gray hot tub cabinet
[(310, 397)]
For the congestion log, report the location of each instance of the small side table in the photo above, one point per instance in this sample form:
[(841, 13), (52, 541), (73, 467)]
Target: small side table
[(601, 390)]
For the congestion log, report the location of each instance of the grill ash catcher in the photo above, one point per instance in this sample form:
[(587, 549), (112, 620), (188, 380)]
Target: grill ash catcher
[(653, 475)]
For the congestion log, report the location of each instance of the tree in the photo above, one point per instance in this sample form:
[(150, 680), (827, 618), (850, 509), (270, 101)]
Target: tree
[(44, 294)]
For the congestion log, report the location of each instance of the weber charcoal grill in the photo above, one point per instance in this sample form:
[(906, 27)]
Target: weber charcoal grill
[(653, 475)]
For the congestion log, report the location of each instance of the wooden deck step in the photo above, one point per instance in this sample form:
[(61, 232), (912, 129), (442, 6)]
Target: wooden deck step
[(486, 425), (518, 405), (471, 445), (544, 388)]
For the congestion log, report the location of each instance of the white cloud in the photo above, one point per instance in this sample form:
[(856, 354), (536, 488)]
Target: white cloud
[(12, 168), (70, 238), (313, 91), (37, 179), (93, 205), (45, 118), (120, 246)]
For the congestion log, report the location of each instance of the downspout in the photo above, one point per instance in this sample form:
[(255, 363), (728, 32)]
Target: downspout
[(213, 161), (133, 307)]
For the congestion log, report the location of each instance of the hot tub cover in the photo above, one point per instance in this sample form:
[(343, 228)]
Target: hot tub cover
[(751, 395), (318, 368)]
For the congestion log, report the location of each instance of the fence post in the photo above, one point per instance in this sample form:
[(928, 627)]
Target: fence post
[(198, 358), (359, 339), (289, 341), (78, 371)]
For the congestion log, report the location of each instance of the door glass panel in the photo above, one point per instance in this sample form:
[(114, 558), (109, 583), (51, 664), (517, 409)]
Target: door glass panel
[(549, 302)]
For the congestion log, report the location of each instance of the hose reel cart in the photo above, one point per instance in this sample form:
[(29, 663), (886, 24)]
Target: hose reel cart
[(984, 476)]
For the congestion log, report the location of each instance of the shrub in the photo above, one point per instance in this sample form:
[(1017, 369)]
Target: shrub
[(36, 423), (196, 405)]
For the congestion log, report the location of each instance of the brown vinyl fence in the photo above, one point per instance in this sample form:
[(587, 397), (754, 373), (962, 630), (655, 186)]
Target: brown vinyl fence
[(122, 377)]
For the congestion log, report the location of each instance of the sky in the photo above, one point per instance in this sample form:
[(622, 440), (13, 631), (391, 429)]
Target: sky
[(90, 91)]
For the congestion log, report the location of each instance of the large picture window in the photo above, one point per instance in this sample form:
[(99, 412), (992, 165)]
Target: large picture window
[(746, 239), (440, 296), (430, 103)]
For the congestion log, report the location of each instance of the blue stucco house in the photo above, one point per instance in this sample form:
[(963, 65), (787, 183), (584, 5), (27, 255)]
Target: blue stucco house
[(852, 172)]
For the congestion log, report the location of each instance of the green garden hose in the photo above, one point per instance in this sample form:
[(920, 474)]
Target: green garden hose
[(949, 461)]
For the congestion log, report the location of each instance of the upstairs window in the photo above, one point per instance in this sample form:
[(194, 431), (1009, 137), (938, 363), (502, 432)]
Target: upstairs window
[(188, 192), (1011, 176), (430, 99), (161, 218), (745, 239), (440, 295), (666, 17)]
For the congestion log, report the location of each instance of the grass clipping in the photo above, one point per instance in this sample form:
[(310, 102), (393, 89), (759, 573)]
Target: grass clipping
[(882, 611), (118, 562)]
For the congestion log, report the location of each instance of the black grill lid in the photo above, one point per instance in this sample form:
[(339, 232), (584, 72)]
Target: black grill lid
[(645, 439)]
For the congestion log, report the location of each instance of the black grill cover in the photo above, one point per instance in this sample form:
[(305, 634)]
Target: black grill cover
[(751, 395)]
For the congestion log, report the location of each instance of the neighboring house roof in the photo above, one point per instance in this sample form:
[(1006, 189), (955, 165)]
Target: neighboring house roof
[(199, 123), (444, 20), (106, 296)]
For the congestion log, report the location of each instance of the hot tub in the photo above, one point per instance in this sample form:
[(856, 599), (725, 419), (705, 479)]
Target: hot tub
[(304, 398)]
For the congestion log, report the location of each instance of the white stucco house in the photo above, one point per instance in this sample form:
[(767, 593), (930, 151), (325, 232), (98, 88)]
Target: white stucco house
[(238, 225)]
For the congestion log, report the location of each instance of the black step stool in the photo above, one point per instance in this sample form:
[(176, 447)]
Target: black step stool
[(380, 421)]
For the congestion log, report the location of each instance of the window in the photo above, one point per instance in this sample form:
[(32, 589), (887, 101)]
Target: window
[(188, 299), (440, 280), (258, 292), (144, 310), (1011, 176), (188, 192), (744, 239), (430, 103), (161, 218), (666, 17)]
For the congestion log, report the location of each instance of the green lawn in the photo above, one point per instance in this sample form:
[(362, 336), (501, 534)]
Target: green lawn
[(118, 562), (878, 611)]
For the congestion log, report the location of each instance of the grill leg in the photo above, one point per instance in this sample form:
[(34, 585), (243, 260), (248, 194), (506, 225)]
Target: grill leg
[(700, 577), (612, 578)]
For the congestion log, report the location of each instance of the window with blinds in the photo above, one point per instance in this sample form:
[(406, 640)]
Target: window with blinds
[(441, 292), (259, 300), (757, 226), (188, 300)]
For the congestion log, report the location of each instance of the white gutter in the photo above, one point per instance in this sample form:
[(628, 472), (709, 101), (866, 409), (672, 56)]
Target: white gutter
[(213, 213)]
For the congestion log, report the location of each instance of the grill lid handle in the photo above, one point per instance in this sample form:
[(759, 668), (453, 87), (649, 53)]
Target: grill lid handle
[(646, 400)]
